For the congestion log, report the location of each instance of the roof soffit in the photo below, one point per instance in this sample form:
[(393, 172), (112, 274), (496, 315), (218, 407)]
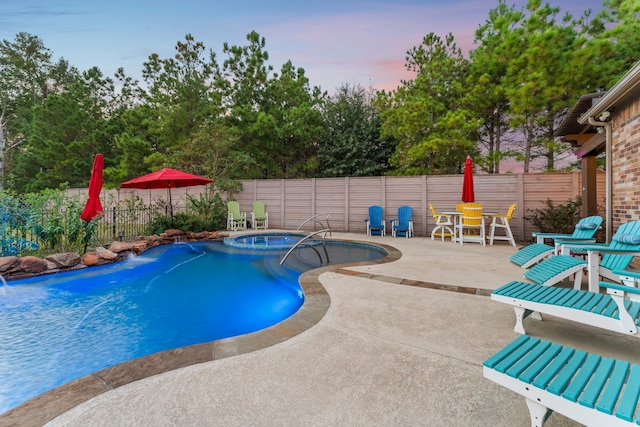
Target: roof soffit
[(626, 88)]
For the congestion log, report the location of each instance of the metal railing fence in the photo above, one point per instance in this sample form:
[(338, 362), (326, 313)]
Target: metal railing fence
[(116, 223)]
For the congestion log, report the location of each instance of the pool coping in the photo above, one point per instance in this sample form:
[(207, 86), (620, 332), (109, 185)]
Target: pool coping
[(46, 406)]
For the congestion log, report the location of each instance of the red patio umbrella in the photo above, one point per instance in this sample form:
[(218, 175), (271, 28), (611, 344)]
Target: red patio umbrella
[(467, 182), (166, 178), (93, 206)]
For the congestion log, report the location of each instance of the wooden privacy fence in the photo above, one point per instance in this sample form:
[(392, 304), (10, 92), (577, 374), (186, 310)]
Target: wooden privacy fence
[(290, 202)]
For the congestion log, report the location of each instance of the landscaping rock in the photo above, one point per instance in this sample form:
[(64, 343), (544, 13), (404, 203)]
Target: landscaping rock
[(64, 260), (32, 264), (13, 267), (105, 253), (203, 235), (139, 247), (8, 263), (90, 259), (120, 246), (173, 232)]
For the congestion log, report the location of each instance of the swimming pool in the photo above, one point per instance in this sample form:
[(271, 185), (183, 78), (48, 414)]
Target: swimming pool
[(48, 322)]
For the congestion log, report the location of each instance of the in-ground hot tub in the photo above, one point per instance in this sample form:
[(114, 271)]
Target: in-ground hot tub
[(265, 241)]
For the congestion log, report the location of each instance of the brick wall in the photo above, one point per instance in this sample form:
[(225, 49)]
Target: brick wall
[(625, 164)]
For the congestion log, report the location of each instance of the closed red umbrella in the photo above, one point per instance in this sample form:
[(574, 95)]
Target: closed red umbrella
[(467, 182), (93, 206)]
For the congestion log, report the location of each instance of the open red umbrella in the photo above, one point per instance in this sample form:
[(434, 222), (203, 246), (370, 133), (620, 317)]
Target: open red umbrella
[(166, 178), (467, 182), (93, 206)]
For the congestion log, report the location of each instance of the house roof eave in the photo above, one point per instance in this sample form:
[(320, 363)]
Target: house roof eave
[(625, 87)]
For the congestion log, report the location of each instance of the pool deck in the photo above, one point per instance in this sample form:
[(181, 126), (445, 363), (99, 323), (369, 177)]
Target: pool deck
[(397, 343)]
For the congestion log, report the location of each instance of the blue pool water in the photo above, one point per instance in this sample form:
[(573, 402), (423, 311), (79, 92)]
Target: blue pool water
[(65, 326), (61, 327), (267, 241)]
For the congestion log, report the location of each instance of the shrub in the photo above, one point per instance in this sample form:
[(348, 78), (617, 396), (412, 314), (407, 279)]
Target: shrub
[(205, 213), (210, 210), (55, 219), (560, 218), (16, 237), (43, 223)]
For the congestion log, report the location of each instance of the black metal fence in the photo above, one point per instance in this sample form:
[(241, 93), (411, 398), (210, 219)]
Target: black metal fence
[(116, 223), (129, 223)]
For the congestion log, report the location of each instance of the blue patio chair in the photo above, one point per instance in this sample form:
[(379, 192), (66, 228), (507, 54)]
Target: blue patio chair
[(403, 225), (376, 223)]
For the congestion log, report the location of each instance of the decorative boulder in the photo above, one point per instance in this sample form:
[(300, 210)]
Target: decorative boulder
[(105, 253), (152, 239), (173, 232), (64, 260), (203, 235), (32, 264), (13, 267), (120, 246), (8, 263), (90, 259), (140, 246)]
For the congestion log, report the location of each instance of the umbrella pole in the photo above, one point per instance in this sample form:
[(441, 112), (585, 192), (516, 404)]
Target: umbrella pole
[(170, 206), (86, 241)]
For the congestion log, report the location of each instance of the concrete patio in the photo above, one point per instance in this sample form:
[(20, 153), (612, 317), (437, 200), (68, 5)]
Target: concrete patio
[(401, 344)]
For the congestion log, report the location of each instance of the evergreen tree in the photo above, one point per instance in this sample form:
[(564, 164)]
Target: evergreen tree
[(351, 143)]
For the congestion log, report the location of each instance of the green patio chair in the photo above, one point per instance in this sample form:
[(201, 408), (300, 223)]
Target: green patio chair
[(236, 220), (259, 216)]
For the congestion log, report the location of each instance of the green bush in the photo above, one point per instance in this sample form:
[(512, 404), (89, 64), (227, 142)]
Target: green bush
[(210, 210), (43, 223), (560, 218), (56, 221), (205, 213), (16, 238)]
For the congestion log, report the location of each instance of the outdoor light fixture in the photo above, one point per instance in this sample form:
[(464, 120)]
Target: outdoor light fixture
[(606, 114), (121, 234)]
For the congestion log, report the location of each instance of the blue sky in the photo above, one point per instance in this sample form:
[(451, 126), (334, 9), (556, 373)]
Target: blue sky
[(336, 42)]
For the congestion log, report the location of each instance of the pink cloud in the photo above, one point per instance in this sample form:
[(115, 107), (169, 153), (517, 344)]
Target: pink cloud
[(368, 47)]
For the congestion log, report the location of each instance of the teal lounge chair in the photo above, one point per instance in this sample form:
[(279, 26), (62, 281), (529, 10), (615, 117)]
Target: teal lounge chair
[(585, 229), (616, 256), (375, 223), (403, 225)]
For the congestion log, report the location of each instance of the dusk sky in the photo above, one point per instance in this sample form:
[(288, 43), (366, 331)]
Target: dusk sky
[(335, 41)]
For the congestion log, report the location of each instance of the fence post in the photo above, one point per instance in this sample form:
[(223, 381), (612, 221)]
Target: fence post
[(520, 189), (113, 217)]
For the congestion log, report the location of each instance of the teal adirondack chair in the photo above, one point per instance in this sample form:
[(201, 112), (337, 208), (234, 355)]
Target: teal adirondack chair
[(616, 256), (584, 232)]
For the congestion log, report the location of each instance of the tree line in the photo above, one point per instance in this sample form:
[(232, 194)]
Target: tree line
[(234, 116)]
